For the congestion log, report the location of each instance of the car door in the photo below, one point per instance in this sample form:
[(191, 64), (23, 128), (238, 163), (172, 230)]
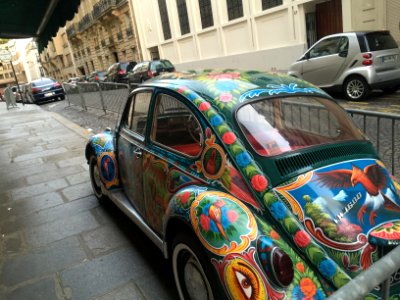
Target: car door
[(132, 147), (176, 139), (322, 62)]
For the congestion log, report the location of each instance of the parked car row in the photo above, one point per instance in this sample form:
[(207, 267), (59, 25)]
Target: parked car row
[(128, 72)]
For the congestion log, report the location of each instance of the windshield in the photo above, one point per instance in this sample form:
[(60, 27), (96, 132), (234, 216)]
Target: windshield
[(275, 126), (42, 81)]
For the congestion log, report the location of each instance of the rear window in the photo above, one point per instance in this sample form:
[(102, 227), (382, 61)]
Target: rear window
[(43, 81), (380, 41), (165, 64), (275, 126)]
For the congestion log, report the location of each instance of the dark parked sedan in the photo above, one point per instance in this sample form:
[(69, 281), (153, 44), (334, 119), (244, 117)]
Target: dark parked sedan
[(97, 76), (118, 72), (149, 69), (46, 89)]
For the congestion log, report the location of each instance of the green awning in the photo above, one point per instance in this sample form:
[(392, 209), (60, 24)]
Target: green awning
[(40, 19)]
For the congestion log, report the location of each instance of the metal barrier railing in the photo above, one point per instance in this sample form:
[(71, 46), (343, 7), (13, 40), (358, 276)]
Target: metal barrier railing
[(379, 274), (383, 130), (107, 96)]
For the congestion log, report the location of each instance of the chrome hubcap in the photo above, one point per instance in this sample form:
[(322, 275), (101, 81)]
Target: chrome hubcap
[(355, 89), (194, 281)]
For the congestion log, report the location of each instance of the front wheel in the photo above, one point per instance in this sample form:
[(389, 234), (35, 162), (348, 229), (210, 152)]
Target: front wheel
[(194, 276), (356, 88), (95, 178)]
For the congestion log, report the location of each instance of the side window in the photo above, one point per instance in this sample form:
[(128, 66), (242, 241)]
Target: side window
[(326, 47), (138, 112), (176, 127), (343, 44)]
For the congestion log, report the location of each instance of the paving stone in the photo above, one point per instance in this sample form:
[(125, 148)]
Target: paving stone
[(153, 287), (41, 154), (47, 215), (28, 206), (38, 189), (71, 161), (79, 178), (43, 289), (56, 173), (41, 261), (96, 277), (10, 244), (78, 191), (60, 229), (104, 239), (126, 292)]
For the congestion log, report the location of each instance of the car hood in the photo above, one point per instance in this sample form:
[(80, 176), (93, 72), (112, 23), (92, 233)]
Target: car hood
[(348, 209)]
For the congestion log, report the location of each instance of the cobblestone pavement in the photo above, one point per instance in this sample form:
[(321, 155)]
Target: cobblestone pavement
[(56, 240)]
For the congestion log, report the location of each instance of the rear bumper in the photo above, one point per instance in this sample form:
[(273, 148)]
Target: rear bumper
[(49, 95)]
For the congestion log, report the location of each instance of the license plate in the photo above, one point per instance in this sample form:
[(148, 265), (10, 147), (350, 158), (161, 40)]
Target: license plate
[(48, 94), (389, 58)]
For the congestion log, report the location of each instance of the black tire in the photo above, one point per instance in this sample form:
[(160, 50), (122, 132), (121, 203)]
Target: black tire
[(190, 264), (95, 178), (390, 89), (355, 88)]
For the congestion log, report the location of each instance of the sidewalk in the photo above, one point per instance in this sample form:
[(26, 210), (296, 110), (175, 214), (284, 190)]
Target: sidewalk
[(56, 240)]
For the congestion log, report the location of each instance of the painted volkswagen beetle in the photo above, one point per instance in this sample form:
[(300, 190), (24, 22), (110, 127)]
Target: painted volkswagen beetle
[(256, 186)]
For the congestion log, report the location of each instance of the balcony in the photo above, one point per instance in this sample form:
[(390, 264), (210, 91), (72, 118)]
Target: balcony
[(85, 22), (102, 7), (71, 31)]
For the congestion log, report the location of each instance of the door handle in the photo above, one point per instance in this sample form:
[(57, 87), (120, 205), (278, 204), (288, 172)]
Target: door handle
[(138, 152)]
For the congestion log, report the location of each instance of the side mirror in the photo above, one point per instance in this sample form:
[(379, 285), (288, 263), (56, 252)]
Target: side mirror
[(343, 53)]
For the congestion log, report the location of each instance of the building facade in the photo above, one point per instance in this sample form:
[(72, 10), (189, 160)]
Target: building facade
[(102, 33), (13, 71), (251, 34)]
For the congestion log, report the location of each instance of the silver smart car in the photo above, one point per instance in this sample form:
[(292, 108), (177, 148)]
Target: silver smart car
[(353, 62)]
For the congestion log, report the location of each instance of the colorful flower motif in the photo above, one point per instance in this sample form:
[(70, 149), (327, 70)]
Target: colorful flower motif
[(327, 267), (205, 222), (308, 287), (243, 159), (300, 267), (278, 210), (232, 216), (228, 75), (229, 138), (181, 89), (274, 235), (216, 120), (302, 238), (225, 97), (185, 197), (297, 294), (204, 106), (259, 183)]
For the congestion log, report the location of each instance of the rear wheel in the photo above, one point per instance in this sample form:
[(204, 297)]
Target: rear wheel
[(194, 276), (95, 178), (355, 88)]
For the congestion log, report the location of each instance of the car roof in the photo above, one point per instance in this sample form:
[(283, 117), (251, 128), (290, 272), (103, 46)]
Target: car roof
[(227, 89), (348, 33)]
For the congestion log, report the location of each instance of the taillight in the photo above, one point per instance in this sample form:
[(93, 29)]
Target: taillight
[(282, 267), (277, 265), (151, 73), (57, 85), (367, 59), (96, 78), (35, 90), (121, 72)]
